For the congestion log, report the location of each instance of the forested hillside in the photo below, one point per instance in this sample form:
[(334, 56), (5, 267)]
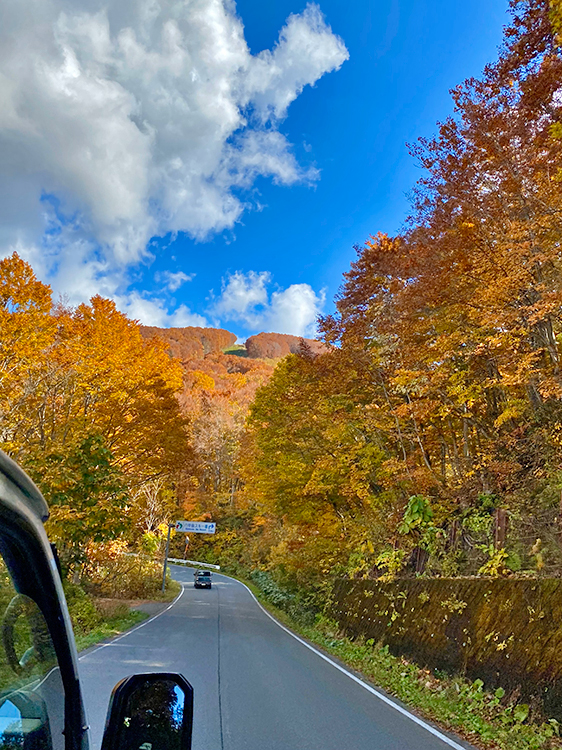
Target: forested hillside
[(220, 380), (191, 342), (123, 427)]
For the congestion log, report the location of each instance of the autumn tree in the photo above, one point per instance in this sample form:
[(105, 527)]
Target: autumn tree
[(27, 334), (315, 459), (87, 496), (447, 340), (88, 406)]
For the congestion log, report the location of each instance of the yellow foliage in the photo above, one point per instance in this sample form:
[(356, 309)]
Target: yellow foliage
[(202, 380), (72, 376)]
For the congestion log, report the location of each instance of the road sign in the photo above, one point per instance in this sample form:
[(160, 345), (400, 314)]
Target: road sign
[(197, 527)]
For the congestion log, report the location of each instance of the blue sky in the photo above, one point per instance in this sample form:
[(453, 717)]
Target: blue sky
[(342, 140), (404, 56)]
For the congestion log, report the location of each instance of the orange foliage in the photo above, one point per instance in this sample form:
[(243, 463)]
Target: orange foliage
[(191, 342), (275, 345)]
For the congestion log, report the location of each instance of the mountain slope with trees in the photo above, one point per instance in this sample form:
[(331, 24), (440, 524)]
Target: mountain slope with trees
[(123, 427), (423, 435)]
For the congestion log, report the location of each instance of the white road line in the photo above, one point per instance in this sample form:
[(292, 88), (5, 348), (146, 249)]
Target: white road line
[(138, 627), (385, 699)]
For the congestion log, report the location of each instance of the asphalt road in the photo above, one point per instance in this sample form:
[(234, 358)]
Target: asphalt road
[(256, 687)]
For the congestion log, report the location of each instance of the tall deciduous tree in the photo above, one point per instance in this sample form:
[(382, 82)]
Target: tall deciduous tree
[(86, 403), (447, 339)]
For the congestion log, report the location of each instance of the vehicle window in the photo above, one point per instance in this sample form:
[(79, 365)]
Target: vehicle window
[(31, 690)]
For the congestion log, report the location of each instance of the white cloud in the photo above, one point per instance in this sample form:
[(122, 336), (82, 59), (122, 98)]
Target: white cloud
[(173, 281), (295, 310), (153, 312), (245, 299), (137, 118), (307, 48)]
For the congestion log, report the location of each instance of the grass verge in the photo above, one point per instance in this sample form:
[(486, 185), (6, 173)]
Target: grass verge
[(173, 588), (454, 703), (109, 628), (97, 621)]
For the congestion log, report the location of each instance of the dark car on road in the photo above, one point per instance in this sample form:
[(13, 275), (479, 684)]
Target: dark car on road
[(202, 579)]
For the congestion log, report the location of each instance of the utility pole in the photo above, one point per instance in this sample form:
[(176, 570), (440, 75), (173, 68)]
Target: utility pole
[(170, 527)]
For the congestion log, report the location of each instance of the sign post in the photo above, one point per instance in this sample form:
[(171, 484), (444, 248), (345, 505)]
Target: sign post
[(170, 527), (195, 527)]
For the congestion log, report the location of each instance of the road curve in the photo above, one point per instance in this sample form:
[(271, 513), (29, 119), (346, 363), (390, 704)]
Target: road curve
[(256, 687)]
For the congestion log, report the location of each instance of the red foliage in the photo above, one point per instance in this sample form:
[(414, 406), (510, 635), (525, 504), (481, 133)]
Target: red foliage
[(274, 345), (190, 342)]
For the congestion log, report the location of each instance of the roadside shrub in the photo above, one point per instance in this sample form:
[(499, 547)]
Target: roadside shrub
[(83, 611), (110, 571), (283, 599), (111, 609)]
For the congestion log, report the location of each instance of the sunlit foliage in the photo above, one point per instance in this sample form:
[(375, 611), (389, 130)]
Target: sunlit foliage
[(87, 406), (432, 431)]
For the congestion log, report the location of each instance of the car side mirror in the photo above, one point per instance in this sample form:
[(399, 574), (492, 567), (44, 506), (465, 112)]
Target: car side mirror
[(150, 712), (24, 721)]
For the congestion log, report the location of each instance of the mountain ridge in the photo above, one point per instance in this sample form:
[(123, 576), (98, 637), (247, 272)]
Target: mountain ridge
[(192, 342)]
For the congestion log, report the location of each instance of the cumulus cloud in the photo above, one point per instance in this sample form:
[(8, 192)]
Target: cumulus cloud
[(305, 51), (173, 281), (136, 118), (245, 298), (152, 311), (295, 310)]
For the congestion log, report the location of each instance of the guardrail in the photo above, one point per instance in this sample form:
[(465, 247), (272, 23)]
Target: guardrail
[(193, 562)]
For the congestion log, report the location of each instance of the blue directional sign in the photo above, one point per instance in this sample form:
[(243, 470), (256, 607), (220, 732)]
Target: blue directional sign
[(196, 527)]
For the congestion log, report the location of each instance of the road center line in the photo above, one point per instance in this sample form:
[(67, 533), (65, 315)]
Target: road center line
[(219, 667)]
